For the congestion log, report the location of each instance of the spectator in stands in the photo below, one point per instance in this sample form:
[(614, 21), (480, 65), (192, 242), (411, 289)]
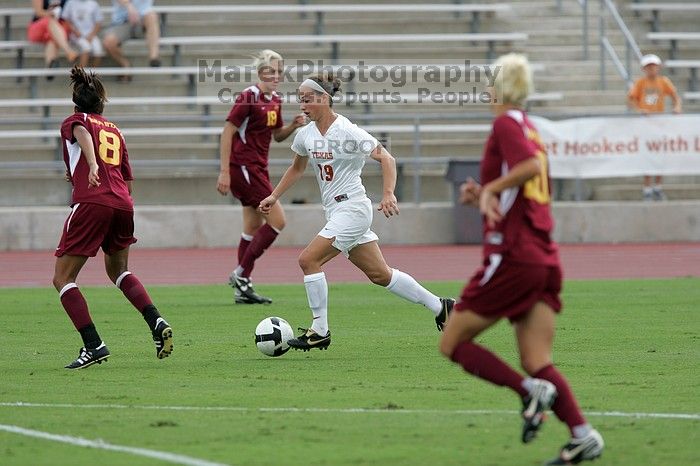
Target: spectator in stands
[(47, 28), (132, 19), (85, 20), (647, 96)]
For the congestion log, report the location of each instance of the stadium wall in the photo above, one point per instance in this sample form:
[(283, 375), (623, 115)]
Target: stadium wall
[(39, 228)]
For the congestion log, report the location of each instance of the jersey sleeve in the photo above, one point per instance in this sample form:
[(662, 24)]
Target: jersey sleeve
[(298, 145), (669, 88), (240, 110), (366, 143), (512, 143), (70, 122)]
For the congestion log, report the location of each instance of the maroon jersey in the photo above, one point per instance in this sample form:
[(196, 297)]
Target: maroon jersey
[(112, 159), (255, 115), (523, 236)]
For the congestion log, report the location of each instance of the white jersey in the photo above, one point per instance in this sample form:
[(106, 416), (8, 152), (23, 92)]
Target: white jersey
[(337, 158)]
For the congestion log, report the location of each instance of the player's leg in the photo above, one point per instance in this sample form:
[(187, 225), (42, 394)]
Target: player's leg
[(658, 189), (252, 222), (151, 24), (113, 38), (457, 344), (535, 335), (368, 258), (311, 261), (65, 274), (117, 268), (251, 185)]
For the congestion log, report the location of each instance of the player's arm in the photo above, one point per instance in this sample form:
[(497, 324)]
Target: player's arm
[(290, 177), (280, 134), (516, 176), (223, 184), (677, 106), (88, 150), (389, 205)]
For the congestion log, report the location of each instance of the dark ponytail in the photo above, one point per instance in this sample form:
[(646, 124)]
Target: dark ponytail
[(328, 82), (88, 92)]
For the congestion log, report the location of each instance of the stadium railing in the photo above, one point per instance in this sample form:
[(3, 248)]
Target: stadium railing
[(205, 103), (691, 65), (674, 38), (491, 39), (608, 8), (657, 8), (192, 72), (457, 8)]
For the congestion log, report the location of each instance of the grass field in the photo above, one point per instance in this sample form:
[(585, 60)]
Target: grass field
[(628, 346)]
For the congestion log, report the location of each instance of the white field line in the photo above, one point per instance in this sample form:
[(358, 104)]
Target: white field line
[(102, 445), (243, 409)]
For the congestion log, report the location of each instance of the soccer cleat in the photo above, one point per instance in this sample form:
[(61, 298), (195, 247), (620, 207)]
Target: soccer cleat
[(541, 398), (441, 319), (577, 450), (245, 294), (310, 340), (163, 338), (88, 357)]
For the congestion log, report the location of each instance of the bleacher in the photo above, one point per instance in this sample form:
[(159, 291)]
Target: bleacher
[(172, 121)]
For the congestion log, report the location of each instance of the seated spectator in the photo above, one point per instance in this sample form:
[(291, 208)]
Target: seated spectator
[(85, 20), (46, 28), (133, 19), (647, 96)]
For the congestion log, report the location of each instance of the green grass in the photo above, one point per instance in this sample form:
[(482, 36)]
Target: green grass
[(629, 346)]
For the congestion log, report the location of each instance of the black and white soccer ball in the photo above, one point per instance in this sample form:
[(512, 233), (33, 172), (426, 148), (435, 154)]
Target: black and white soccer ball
[(272, 335)]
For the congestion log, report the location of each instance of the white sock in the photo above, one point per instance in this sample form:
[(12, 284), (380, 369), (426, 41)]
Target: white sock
[(582, 430), (317, 293), (527, 384), (404, 285)]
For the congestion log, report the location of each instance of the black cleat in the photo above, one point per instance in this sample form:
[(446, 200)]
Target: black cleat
[(88, 357), (163, 338), (245, 294), (539, 400), (310, 340), (577, 450), (441, 319)]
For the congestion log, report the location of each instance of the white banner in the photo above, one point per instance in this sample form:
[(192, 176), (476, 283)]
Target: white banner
[(605, 147)]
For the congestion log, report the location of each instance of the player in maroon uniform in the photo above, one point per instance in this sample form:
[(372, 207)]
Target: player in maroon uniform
[(255, 118), (97, 165), (521, 277)]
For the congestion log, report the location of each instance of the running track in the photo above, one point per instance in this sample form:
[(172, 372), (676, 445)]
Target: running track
[(278, 265)]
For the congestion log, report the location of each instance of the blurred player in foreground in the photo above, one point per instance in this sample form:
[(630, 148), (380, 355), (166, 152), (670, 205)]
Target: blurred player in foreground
[(338, 150), (647, 96), (256, 117), (521, 277), (97, 165)]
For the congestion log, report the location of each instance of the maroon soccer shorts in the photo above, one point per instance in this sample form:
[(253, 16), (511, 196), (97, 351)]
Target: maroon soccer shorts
[(250, 184), (91, 226), (502, 289)]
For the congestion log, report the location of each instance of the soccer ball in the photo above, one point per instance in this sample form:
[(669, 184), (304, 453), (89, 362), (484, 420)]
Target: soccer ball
[(272, 335)]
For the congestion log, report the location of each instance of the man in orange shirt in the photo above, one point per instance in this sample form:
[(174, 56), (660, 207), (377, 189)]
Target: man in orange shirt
[(647, 97)]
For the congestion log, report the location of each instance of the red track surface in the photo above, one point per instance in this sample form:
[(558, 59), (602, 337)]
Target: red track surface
[(278, 265)]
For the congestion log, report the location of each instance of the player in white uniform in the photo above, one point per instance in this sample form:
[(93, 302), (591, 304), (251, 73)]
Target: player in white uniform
[(338, 150)]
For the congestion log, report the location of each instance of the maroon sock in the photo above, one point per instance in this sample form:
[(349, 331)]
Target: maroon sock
[(262, 240), (482, 363), (242, 248), (134, 291), (76, 307), (565, 406)]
